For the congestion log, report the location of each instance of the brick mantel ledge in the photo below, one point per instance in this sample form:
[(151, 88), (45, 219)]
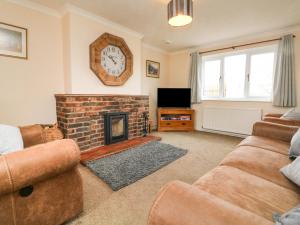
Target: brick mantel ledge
[(98, 95)]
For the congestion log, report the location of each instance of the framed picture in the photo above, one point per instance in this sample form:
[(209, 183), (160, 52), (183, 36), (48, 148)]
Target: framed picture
[(152, 69), (13, 41)]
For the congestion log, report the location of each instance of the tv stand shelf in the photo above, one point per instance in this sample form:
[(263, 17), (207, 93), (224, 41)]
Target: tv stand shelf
[(175, 119)]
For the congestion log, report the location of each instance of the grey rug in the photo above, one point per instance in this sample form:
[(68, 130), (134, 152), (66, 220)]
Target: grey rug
[(129, 166)]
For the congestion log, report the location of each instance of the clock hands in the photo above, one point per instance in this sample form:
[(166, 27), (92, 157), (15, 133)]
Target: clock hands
[(112, 59)]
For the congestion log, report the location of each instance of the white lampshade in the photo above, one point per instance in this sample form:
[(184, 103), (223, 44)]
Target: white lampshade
[(180, 12)]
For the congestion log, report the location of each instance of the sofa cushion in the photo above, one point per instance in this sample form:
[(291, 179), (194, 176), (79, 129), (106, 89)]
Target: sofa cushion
[(281, 147), (292, 171), (294, 151), (247, 191), (10, 139), (32, 135), (184, 204), (292, 114), (261, 163), (292, 217)]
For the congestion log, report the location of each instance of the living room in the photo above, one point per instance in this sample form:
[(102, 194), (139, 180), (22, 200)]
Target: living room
[(145, 104)]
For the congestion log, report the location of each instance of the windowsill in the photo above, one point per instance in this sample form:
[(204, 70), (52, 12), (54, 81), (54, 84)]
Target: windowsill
[(267, 100)]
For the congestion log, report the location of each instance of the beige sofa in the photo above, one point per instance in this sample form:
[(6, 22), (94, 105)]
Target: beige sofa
[(245, 189), (40, 185)]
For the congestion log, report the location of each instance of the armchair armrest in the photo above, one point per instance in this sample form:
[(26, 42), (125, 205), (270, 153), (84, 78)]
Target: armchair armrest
[(36, 164), (278, 115), (274, 131), (179, 203)]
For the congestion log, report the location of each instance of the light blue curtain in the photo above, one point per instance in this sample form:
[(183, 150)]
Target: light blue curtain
[(284, 89), (195, 77)]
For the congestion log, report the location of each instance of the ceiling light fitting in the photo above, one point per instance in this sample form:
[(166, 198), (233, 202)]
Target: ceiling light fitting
[(180, 12)]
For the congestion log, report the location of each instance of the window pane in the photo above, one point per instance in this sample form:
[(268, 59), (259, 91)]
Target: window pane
[(211, 77), (234, 75), (261, 75)]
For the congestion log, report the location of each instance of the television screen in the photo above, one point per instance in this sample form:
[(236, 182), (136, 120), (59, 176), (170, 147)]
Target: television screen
[(174, 97)]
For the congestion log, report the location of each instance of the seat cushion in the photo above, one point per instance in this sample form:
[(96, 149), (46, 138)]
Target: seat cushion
[(264, 164), (179, 203), (247, 191), (281, 147)]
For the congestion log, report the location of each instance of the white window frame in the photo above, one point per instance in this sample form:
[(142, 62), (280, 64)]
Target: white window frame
[(248, 52)]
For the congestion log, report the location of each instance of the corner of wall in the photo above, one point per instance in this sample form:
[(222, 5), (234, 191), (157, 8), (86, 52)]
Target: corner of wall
[(66, 52)]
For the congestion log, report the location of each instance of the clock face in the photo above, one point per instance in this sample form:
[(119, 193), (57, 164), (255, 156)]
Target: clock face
[(113, 60)]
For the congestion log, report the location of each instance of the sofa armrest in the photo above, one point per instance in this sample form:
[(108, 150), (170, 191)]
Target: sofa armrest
[(32, 135), (36, 164), (183, 204), (282, 121), (278, 115), (274, 131)]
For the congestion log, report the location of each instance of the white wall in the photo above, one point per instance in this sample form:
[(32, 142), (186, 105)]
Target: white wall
[(179, 69), (82, 32), (58, 62), (27, 87), (149, 84)]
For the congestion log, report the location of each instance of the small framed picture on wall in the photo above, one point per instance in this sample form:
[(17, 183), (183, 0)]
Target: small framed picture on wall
[(152, 69), (13, 41)]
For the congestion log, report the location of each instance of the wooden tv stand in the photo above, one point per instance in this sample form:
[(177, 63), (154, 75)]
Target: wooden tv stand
[(175, 119)]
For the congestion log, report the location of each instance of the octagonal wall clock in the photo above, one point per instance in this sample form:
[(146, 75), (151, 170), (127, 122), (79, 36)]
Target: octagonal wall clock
[(111, 59)]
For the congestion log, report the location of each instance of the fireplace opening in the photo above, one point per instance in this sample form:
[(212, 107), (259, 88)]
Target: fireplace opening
[(115, 127)]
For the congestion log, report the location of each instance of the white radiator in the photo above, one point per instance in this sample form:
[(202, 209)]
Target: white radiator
[(239, 121)]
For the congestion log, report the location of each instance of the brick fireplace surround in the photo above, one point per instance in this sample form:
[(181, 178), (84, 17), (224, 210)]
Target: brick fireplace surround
[(81, 117)]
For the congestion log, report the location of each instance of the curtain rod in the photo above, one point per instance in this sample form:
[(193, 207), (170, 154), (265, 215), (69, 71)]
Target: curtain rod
[(238, 46)]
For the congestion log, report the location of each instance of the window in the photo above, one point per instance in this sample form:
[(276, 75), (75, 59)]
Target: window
[(246, 74)]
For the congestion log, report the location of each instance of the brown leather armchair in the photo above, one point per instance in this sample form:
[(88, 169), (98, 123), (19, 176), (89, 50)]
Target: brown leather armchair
[(276, 118), (41, 184)]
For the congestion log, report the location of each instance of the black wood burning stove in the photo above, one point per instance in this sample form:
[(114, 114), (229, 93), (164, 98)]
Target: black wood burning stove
[(115, 127)]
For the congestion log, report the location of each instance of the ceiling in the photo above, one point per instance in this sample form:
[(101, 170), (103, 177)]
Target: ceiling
[(214, 20)]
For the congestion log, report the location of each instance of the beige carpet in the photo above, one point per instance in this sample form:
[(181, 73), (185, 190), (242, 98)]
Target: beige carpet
[(130, 205)]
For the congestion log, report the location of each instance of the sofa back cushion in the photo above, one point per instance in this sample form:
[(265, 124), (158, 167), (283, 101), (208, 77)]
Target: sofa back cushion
[(32, 135)]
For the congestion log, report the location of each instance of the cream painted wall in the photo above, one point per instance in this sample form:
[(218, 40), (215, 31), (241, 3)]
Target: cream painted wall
[(179, 70), (27, 87), (149, 84), (59, 63), (82, 32)]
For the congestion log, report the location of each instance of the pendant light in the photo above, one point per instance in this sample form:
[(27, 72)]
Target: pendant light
[(180, 12)]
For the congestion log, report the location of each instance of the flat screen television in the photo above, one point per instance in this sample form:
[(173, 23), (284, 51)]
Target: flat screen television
[(174, 97)]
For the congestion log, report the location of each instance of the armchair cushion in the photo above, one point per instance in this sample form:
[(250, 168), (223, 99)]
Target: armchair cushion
[(32, 135), (10, 139)]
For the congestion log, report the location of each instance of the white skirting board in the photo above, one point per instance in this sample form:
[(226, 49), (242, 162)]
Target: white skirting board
[(232, 120)]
